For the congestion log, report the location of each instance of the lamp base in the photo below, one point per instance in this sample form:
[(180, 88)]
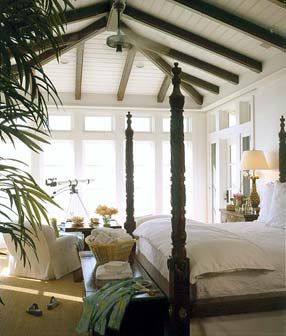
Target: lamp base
[(254, 197)]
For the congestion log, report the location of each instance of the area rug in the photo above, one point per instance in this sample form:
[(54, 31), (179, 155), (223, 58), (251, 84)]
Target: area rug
[(19, 293)]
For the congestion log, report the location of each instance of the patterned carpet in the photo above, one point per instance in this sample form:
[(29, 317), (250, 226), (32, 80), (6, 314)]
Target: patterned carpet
[(19, 293)]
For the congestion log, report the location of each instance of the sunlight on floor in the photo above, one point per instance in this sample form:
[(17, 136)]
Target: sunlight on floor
[(26, 279), (63, 296), (20, 289), (5, 271)]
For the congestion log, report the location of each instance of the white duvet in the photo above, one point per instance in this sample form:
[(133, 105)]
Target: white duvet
[(253, 252)]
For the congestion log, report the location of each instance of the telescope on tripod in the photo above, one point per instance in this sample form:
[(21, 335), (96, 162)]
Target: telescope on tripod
[(71, 186)]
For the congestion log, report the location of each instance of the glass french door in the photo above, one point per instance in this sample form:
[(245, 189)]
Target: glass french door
[(245, 145), (233, 167), (213, 186)]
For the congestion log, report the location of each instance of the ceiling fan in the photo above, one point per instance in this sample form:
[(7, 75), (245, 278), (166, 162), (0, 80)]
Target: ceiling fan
[(118, 41)]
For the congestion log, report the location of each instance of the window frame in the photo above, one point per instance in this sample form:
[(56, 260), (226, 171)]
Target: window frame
[(78, 135)]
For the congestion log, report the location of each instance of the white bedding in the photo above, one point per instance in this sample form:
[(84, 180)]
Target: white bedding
[(270, 240)]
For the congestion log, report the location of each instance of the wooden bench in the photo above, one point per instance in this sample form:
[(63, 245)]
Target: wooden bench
[(145, 314)]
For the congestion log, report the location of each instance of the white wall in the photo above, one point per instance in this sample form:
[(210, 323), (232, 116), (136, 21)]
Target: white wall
[(270, 104), (268, 100)]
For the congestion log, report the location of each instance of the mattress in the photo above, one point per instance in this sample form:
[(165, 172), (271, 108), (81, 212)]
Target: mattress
[(271, 240)]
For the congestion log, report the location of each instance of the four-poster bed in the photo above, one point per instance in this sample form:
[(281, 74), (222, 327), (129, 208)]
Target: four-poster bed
[(185, 302)]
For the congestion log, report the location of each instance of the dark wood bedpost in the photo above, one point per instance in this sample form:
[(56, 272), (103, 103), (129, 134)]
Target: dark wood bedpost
[(178, 263), (282, 151), (129, 225)]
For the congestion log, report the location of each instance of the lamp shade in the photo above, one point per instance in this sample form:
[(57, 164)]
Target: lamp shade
[(253, 159)]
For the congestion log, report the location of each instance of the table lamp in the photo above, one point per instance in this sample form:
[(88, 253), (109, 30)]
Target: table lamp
[(253, 160)]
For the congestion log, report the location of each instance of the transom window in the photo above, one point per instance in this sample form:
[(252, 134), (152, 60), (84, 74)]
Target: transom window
[(98, 123)]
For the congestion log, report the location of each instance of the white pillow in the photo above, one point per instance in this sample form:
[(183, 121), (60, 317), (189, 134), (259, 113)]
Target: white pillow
[(266, 195), (278, 199), (279, 220)]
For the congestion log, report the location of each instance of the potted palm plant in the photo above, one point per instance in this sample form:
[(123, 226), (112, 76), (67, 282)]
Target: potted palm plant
[(27, 27)]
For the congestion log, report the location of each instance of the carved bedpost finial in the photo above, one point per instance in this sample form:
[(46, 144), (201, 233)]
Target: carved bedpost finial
[(177, 100), (129, 116)]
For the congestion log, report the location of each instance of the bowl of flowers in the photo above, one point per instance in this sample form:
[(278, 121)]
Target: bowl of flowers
[(106, 213), (77, 221), (238, 199)]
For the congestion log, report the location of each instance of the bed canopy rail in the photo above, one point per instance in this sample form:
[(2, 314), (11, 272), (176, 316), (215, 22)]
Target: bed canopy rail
[(282, 151)]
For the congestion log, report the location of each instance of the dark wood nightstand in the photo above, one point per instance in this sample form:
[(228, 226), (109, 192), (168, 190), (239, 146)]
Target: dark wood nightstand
[(232, 216)]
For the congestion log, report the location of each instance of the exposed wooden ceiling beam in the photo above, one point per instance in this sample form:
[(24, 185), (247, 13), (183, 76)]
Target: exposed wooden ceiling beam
[(126, 73), (164, 89), (83, 35), (78, 71), (193, 38), (192, 92), (87, 12), (167, 70), (77, 36), (281, 3), (184, 76), (243, 25), (159, 48)]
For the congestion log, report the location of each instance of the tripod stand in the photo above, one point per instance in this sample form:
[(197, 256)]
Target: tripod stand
[(70, 185)]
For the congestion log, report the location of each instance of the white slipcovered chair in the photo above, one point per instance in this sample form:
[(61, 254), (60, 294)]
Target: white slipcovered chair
[(56, 256)]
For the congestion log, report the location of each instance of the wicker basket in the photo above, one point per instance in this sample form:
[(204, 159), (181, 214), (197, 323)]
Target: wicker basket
[(104, 253)]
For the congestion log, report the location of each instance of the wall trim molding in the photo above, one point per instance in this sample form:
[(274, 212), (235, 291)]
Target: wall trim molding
[(247, 90)]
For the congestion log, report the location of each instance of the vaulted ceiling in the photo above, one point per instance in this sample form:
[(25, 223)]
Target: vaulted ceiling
[(216, 42)]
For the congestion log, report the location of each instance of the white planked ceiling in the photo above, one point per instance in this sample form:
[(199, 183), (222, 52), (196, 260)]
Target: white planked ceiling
[(103, 67), (149, 78), (63, 75)]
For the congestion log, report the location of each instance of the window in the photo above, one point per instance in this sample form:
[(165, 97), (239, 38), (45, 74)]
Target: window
[(20, 152), (231, 118), (57, 161), (87, 145), (98, 123), (60, 123), (99, 164), (245, 180), (144, 178), (142, 124)]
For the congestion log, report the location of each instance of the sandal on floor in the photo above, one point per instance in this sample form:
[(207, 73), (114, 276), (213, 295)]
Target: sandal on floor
[(53, 303), (34, 310)]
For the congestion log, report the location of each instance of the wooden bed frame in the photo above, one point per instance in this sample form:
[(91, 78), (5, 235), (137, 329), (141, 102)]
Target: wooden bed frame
[(182, 296)]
